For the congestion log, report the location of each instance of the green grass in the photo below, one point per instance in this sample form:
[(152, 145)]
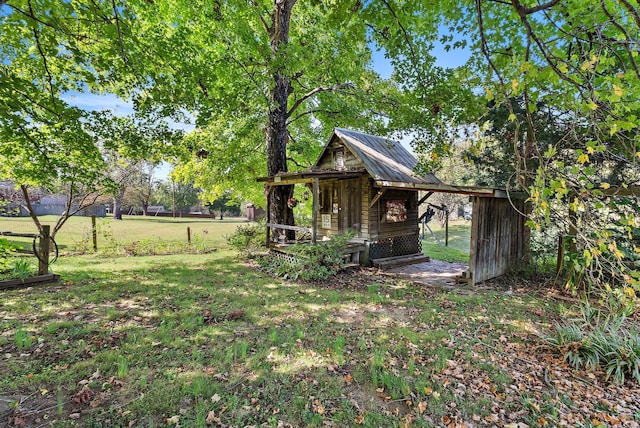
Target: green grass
[(75, 235), (146, 341), (457, 249)]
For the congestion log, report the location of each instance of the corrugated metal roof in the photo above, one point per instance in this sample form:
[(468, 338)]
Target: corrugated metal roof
[(384, 159)]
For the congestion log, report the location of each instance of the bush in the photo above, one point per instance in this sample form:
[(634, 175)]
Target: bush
[(310, 261), (599, 340), (248, 239), (6, 251)]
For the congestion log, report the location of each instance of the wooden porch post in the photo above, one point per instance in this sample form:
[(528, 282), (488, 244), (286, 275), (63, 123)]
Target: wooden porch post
[(316, 207), (269, 188)]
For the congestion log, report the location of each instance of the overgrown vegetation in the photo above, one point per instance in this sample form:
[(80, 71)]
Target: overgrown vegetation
[(6, 251), (308, 261), (601, 340), (248, 239)]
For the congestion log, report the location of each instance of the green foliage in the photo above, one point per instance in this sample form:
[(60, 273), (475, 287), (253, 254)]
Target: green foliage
[(600, 339), (6, 251), (179, 194), (21, 268), (308, 261), (249, 239)]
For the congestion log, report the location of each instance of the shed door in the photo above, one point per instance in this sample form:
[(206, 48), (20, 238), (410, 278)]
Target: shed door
[(349, 214)]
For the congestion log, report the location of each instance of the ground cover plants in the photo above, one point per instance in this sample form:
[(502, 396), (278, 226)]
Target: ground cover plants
[(209, 340)]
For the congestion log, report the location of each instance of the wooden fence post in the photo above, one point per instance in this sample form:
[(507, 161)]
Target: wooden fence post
[(446, 226), (43, 251), (94, 233), (188, 235), (560, 257)]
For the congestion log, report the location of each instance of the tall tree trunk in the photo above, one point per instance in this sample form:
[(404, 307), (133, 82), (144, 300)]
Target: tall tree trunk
[(276, 130), (117, 203)]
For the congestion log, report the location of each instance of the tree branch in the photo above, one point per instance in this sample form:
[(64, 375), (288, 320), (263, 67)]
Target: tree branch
[(632, 10), (24, 132), (70, 213), (29, 207), (414, 56), (620, 28), (317, 90), (264, 22), (119, 31), (523, 17), (484, 45), (44, 59), (524, 11), (308, 112)]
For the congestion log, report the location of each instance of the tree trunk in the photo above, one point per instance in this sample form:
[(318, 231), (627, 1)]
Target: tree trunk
[(117, 204), (276, 130), (145, 209)]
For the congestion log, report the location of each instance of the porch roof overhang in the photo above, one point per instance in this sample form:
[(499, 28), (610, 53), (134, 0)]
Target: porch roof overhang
[(309, 177), (488, 192)]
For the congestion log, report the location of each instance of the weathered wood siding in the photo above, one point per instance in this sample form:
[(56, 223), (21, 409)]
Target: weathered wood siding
[(351, 195), (350, 161), (365, 231), (379, 228), (497, 238)]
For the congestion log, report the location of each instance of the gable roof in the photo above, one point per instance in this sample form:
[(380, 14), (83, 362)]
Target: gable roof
[(384, 159)]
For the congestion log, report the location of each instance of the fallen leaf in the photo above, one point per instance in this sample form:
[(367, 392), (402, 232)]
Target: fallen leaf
[(173, 420), (422, 406), (212, 418), (215, 398)]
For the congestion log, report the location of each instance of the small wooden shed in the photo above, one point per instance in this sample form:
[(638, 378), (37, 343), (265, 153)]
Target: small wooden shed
[(366, 185)]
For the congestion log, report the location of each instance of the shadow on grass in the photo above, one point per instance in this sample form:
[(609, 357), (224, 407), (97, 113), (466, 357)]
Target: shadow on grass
[(152, 338)]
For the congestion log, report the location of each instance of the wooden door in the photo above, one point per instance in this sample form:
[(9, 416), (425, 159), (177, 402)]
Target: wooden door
[(349, 212)]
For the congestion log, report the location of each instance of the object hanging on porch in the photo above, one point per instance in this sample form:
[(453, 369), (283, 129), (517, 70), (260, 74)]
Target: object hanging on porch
[(292, 202)]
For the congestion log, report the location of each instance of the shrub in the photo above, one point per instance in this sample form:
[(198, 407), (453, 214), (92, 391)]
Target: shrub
[(248, 239), (600, 340), (6, 251), (310, 261)]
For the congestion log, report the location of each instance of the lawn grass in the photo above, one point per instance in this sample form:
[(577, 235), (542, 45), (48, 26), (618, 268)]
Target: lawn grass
[(75, 235), (155, 337), (201, 340), (457, 249)]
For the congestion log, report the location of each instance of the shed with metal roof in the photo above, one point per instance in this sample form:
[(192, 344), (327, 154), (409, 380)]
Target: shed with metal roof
[(367, 186)]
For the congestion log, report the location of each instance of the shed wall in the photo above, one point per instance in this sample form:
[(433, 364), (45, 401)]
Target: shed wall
[(498, 237)]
